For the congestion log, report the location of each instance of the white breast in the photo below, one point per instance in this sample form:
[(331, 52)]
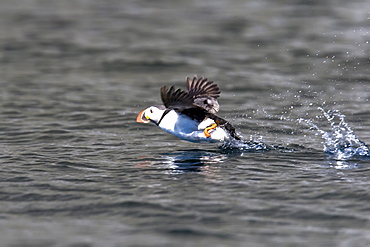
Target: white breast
[(190, 130)]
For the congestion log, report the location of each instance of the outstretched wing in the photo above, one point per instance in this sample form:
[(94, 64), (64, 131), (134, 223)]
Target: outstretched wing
[(204, 93), (177, 100), (182, 102)]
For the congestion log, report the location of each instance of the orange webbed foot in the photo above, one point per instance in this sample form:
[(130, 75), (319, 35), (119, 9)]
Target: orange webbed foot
[(206, 130)]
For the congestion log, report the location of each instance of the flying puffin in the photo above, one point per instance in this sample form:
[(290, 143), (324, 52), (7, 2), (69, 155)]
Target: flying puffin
[(190, 115)]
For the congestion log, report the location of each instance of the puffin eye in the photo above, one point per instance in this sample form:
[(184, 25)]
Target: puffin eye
[(151, 111)]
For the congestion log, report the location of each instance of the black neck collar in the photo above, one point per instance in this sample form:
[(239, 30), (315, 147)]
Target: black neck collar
[(164, 114)]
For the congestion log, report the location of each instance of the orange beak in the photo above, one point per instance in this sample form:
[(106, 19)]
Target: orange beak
[(141, 118)]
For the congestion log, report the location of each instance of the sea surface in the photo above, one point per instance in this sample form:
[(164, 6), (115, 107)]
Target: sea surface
[(77, 170)]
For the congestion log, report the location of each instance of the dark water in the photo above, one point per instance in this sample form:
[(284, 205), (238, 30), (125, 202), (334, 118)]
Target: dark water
[(77, 170)]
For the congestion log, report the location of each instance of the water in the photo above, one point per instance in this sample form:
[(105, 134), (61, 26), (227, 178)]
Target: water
[(77, 170), (341, 142)]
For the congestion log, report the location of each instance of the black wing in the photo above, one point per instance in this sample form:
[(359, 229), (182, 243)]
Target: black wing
[(182, 102), (177, 100), (204, 93)]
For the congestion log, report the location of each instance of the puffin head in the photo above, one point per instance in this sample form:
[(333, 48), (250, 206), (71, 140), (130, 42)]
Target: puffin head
[(151, 114)]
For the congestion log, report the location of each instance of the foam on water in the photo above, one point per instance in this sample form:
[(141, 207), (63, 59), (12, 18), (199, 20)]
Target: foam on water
[(340, 142), (243, 145)]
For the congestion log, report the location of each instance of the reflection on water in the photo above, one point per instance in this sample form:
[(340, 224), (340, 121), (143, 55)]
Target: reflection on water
[(186, 161), (343, 164)]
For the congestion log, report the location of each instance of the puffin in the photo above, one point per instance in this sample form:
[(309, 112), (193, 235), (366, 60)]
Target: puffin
[(190, 115)]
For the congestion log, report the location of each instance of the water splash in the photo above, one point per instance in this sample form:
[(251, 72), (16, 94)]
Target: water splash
[(340, 142), (243, 145), (236, 146)]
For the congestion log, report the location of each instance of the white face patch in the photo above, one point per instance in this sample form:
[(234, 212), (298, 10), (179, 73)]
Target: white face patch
[(153, 113)]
